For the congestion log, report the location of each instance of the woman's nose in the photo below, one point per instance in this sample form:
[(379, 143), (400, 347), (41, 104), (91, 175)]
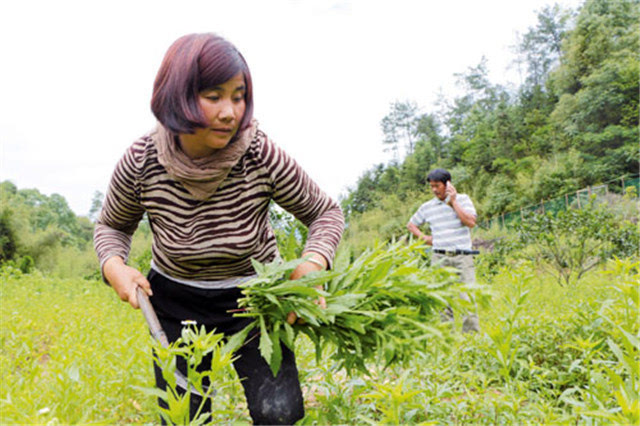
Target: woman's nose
[(226, 111)]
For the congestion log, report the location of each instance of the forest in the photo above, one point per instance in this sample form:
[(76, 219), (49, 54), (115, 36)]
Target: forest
[(572, 123), (558, 292)]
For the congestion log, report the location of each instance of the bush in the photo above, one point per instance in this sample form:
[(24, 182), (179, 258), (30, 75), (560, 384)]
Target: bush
[(577, 240), (26, 264)]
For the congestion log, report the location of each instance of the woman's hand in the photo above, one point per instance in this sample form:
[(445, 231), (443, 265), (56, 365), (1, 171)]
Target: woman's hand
[(319, 263), (125, 279)]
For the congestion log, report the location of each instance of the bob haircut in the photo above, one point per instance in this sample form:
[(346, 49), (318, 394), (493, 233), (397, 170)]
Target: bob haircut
[(194, 63), (439, 175)]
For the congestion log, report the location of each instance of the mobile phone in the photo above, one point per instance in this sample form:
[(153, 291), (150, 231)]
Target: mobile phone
[(446, 200)]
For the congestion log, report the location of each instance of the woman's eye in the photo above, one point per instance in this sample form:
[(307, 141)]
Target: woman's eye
[(213, 98)]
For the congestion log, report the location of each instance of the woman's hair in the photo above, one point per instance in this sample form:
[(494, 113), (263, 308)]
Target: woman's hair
[(439, 175), (193, 63)]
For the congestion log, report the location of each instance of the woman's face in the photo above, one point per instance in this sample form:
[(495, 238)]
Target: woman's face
[(224, 107)]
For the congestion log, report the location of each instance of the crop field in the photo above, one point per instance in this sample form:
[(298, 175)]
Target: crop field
[(73, 353)]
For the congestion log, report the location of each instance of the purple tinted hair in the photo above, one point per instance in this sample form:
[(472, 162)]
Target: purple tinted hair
[(193, 63)]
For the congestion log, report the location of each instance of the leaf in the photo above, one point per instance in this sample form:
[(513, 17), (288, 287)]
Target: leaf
[(271, 298), (236, 341), (266, 347), (385, 292), (355, 325), (289, 336), (380, 271), (258, 267), (276, 357), (152, 392)]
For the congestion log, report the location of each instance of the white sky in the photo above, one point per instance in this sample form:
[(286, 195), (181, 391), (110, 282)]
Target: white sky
[(76, 76)]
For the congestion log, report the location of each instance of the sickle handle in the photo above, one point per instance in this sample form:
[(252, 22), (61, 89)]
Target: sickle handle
[(151, 317)]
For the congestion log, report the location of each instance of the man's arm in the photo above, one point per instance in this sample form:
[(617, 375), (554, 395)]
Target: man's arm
[(467, 219), (419, 234)]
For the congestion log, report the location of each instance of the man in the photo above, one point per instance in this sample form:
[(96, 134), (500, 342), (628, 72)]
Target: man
[(450, 216)]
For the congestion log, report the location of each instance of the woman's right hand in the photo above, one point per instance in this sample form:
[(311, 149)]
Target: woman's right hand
[(125, 279)]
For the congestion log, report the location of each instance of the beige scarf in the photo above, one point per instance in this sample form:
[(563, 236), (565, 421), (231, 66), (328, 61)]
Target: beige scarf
[(200, 176)]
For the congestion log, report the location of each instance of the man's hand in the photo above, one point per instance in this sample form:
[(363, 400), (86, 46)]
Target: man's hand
[(125, 279), (467, 219), (428, 239), (318, 263), (451, 193)]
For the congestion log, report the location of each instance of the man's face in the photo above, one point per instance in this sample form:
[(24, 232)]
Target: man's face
[(439, 189)]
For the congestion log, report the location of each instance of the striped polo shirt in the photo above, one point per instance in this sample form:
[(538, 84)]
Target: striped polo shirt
[(214, 239), (446, 228)]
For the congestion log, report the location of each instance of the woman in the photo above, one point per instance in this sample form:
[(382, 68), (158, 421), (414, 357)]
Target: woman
[(205, 178)]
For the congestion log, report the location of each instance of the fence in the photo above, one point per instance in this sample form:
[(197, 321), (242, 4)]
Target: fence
[(577, 199)]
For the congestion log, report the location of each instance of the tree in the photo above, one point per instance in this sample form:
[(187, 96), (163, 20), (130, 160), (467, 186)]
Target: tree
[(479, 91), (428, 129), (572, 123), (414, 169), (468, 119), (290, 233), (38, 226), (399, 127), (364, 196), (541, 46), (96, 205), (8, 244), (597, 84), (574, 241)]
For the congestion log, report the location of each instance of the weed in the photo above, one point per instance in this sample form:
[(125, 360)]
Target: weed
[(71, 353)]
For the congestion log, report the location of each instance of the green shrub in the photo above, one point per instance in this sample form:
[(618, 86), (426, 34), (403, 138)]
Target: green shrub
[(575, 241)]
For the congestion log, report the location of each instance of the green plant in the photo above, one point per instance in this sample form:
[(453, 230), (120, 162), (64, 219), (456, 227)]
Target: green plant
[(142, 262), (193, 346), (572, 242), (503, 346), (26, 264), (490, 262), (379, 306), (613, 393), (290, 233), (395, 400), (87, 366), (71, 353), (334, 397)]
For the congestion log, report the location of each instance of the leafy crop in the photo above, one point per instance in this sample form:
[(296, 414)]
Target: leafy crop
[(72, 353), (378, 308)]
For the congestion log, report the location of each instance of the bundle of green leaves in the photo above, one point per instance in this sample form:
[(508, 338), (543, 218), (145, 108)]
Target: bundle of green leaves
[(378, 307)]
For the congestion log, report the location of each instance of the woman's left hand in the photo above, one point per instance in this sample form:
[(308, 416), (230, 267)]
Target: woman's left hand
[(318, 263)]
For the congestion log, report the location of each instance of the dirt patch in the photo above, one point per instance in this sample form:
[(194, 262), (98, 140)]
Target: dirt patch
[(486, 245)]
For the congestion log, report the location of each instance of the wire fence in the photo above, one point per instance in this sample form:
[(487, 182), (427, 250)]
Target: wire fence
[(575, 199)]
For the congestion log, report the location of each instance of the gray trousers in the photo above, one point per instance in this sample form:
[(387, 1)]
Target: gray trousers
[(463, 264)]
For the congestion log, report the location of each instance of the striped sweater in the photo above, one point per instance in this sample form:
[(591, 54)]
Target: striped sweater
[(446, 228), (214, 239)]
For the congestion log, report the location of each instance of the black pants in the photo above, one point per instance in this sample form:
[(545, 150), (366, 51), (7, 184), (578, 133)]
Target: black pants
[(270, 400)]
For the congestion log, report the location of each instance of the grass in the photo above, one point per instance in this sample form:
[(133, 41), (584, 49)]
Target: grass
[(73, 353)]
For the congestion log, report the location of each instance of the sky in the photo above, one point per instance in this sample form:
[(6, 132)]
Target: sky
[(77, 76)]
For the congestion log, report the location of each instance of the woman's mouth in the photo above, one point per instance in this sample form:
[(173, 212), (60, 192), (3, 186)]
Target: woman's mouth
[(221, 130)]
